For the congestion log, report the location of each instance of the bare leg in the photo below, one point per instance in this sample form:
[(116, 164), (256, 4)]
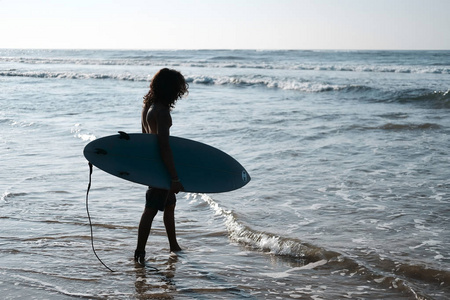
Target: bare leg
[(169, 223), (144, 228)]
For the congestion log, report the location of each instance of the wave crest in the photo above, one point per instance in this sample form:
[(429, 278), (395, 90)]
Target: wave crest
[(399, 275), (73, 75), (267, 242), (431, 98), (276, 83), (245, 81), (232, 61), (8, 195)]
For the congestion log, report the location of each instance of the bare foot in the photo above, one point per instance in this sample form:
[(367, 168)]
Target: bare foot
[(175, 249)]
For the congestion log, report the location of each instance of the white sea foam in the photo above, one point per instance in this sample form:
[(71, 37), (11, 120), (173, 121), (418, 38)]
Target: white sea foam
[(286, 273), (76, 130), (74, 75), (260, 240), (22, 123), (270, 82), (4, 196), (232, 63), (285, 84), (49, 286)]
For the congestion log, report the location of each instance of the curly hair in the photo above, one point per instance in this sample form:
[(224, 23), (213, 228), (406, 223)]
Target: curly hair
[(166, 87)]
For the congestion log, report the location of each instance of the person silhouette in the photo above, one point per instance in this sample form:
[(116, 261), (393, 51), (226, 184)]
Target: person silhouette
[(166, 87)]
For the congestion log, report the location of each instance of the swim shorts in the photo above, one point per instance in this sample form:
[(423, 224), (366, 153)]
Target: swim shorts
[(156, 198)]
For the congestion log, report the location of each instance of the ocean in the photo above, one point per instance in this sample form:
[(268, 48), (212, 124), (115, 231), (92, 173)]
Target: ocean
[(348, 153)]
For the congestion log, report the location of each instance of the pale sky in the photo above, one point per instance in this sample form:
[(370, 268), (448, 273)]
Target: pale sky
[(225, 24)]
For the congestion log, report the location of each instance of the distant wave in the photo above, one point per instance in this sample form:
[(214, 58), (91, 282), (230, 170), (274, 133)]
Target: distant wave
[(269, 82), (234, 62), (280, 83), (433, 99), (398, 127), (73, 75), (441, 99), (391, 126), (229, 57), (430, 98), (399, 275)]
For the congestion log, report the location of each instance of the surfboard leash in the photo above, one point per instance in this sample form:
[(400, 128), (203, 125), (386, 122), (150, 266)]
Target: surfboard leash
[(89, 217)]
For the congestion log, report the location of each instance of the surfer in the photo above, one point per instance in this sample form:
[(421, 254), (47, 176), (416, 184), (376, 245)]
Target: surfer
[(166, 87)]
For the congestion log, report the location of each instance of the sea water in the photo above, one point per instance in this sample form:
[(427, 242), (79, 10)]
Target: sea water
[(348, 153)]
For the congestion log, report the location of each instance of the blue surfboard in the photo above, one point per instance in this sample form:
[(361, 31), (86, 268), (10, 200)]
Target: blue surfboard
[(136, 157)]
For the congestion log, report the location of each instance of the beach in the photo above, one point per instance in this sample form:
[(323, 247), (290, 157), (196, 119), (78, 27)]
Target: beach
[(347, 150)]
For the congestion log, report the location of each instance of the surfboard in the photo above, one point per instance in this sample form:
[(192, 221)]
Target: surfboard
[(135, 157)]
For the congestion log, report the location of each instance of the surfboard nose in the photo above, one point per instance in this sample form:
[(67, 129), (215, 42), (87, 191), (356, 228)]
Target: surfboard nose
[(245, 177)]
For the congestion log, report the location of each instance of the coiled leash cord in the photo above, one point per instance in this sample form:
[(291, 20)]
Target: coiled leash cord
[(89, 217)]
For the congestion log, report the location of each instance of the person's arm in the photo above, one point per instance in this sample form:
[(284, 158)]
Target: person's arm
[(164, 122)]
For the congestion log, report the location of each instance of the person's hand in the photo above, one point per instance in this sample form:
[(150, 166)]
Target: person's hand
[(176, 186)]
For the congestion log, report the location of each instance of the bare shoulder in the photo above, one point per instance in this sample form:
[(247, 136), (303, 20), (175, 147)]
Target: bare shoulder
[(162, 115)]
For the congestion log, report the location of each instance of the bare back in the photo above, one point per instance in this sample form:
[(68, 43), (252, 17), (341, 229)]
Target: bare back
[(156, 119)]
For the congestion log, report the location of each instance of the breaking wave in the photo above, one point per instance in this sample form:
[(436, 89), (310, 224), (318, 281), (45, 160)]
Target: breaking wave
[(430, 98), (245, 81), (73, 75), (230, 61), (433, 99), (8, 195), (407, 277)]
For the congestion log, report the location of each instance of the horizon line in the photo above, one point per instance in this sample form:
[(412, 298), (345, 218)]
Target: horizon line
[(226, 49)]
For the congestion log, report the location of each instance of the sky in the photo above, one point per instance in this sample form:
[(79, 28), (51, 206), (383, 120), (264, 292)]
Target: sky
[(225, 24)]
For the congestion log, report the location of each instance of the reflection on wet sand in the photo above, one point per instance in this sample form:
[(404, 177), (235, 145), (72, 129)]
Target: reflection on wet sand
[(154, 280)]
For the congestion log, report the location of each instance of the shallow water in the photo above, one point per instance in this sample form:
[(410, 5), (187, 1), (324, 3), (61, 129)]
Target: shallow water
[(347, 152)]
